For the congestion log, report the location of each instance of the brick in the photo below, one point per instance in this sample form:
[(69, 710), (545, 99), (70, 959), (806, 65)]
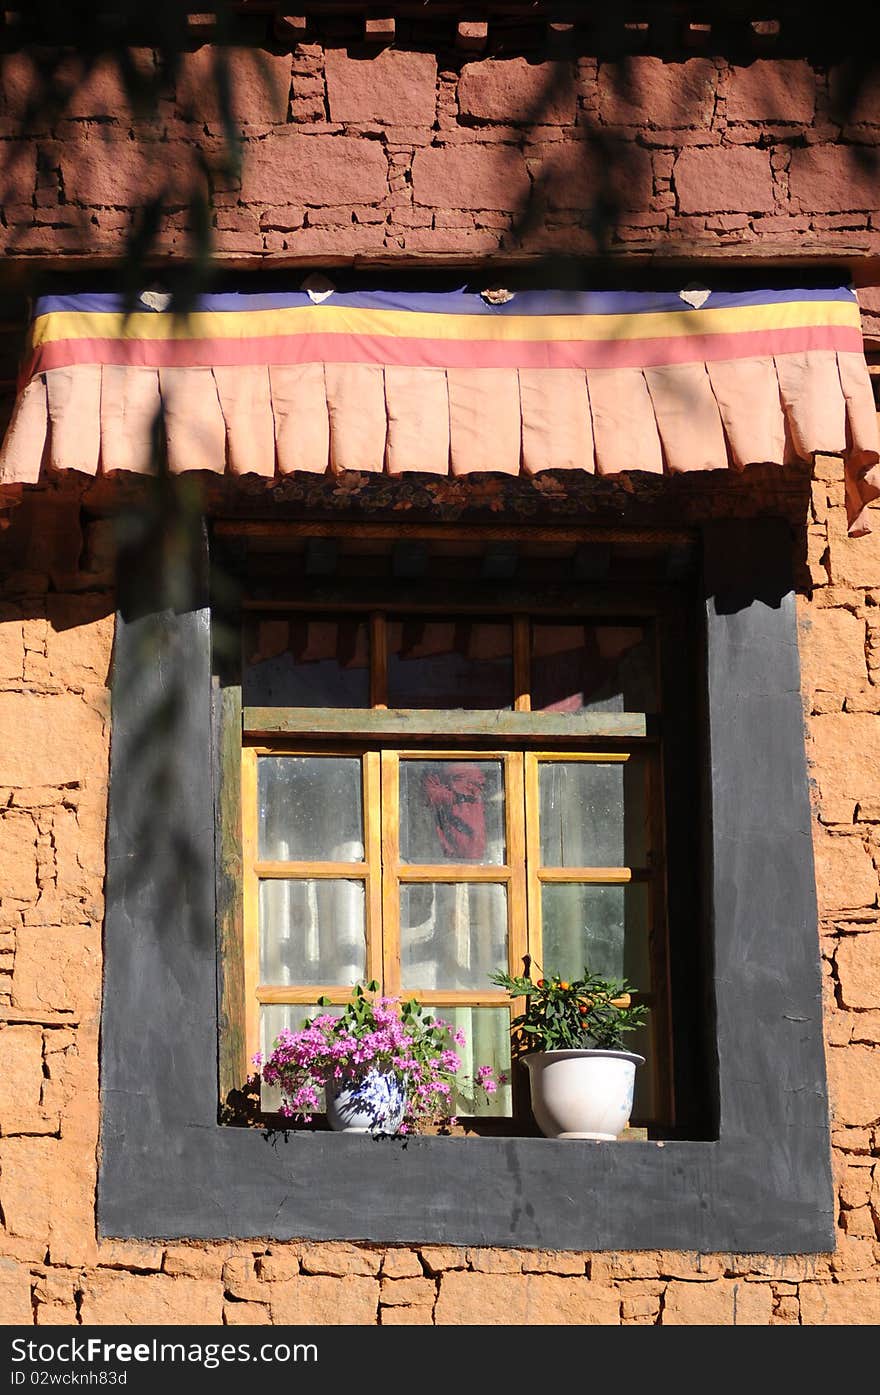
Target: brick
[(470, 176), (724, 180), (495, 1261), (240, 1280), (195, 1262), (259, 85), (349, 1299), (852, 565), (418, 1315), (724, 1303), (290, 168), (129, 1254), (401, 1264), (57, 967), (553, 1262), (438, 1258), (18, 857), (844, 755), (278, 1266), (246, 1315), (514, 90), (845, 875), (21, 1079), (854, 1085), (339, 1259), (855, 93), (858, 971), (832, 648), (581, 176), (519, 1299), (830, 1305), (111, 1297), (391, 88), (831, 178), (30, 1169), (650, 92), (15, 1294), (49, 740), (11, 644), (402, 1292), (772, 89)]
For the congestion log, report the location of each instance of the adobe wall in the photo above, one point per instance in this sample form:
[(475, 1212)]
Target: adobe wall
[(56, 631), (401, 155)]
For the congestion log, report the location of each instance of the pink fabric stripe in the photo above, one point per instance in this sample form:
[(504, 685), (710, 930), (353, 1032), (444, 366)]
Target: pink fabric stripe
[(417, 403), (26, 435), (302, 423), (688, 418), (814, 404), (481, 439), (247, 412), (74, 396), (130, 405), (449, 353), (356, 399), (557, 429), (624, 424), (747, 393), (195, 432)]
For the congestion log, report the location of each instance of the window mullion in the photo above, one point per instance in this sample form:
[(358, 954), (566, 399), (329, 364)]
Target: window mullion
[(390, 805), (373, 857)]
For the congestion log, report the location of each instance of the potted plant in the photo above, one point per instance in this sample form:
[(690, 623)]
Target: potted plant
[(384, 1067), (571, 1034)]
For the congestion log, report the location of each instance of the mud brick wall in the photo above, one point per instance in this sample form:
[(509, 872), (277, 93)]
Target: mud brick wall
[(56, 630), (390, 153)]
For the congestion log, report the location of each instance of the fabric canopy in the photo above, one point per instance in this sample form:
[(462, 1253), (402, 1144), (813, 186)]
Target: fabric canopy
[(316, 380)]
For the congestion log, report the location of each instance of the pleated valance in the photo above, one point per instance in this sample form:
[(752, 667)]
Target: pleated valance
[(448, 382)]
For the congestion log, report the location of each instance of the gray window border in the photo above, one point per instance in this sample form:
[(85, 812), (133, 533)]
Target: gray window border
[(169, 1170)]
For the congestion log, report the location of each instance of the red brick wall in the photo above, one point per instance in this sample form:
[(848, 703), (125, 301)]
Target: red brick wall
[(399, 153)]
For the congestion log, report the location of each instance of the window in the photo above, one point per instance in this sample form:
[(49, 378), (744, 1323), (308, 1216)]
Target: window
[(427, 797), (758, 1182)]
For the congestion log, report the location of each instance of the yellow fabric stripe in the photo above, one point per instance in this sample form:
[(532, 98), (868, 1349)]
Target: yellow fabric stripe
[(328, 319)]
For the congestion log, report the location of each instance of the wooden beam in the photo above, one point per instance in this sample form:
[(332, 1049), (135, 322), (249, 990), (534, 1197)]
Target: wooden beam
[(364, 722)]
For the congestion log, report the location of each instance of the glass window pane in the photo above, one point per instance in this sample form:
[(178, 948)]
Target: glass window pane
[(487, 1043), (310, 809), (593, 814), (275, 1018), (452, 934), (452, 811), (593, 668), (306, 662), (449, 663), (312, 931), (604, 928)]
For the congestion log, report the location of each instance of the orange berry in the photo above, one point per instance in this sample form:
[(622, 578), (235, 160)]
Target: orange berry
[(563, 984), (540, 983), (582, 1007)]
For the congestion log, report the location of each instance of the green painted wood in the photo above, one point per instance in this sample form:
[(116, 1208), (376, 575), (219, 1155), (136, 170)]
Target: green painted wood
[(503, 726)]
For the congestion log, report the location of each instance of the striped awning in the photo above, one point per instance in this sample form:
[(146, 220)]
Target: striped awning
[(448, 382)]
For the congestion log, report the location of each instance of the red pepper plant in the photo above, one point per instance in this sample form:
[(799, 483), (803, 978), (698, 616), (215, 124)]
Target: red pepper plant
[(587, 1013)]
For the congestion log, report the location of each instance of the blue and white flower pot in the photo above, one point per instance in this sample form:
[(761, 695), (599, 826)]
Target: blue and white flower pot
[(375, 1104)]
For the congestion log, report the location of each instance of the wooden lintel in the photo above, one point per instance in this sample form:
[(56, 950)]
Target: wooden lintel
[(367, 723)]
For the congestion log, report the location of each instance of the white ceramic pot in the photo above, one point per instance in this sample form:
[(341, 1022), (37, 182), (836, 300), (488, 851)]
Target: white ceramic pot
[(582, 1094), (373, 1105)]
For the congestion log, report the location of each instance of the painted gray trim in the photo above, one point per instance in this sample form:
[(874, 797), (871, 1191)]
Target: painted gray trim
[(169, 1170)]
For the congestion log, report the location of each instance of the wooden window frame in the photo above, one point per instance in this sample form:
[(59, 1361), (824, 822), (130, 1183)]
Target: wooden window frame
[(534, 735), (759, 1182)]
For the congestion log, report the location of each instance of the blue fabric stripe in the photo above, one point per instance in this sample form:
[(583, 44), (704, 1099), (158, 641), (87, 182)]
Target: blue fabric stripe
[(461, 302)]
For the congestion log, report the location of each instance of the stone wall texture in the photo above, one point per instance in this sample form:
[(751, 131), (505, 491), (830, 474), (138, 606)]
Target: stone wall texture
[(358, 153), (403, 153)]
